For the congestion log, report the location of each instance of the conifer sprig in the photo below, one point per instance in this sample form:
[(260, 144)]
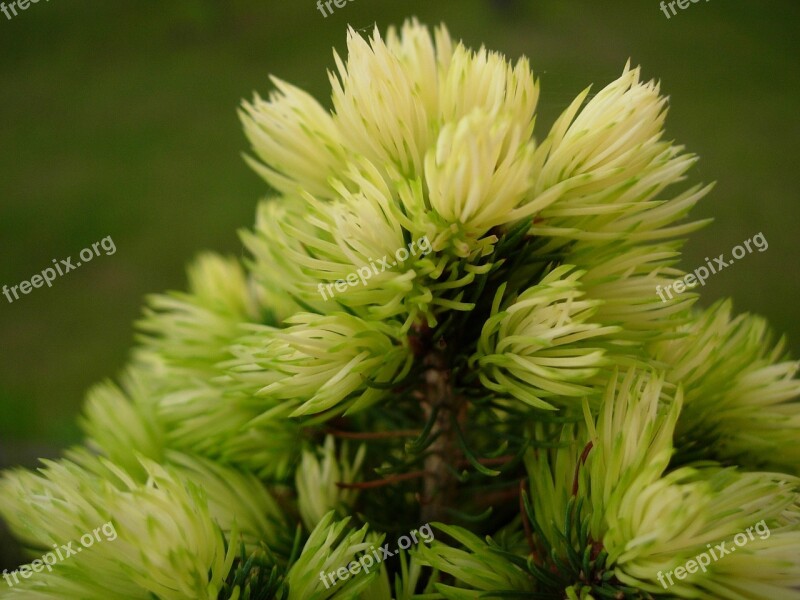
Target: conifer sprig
[(521, 387)]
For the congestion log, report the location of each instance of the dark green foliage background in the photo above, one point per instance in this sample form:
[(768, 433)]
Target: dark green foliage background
[(118, 118)]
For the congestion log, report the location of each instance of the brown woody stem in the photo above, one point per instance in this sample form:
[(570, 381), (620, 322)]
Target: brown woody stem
[(440, 484)]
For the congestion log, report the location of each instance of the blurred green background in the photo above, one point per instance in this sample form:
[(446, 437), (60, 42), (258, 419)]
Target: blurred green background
[(119, 119)]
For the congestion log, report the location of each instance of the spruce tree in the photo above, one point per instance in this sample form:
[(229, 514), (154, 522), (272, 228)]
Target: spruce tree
[(446, 340)]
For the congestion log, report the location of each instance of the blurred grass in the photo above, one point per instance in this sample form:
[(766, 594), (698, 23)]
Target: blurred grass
[(119, 119)]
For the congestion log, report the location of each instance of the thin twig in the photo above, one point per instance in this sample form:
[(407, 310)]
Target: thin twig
[(376, 483), (373, 435), (581, 461), (488, 462)]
